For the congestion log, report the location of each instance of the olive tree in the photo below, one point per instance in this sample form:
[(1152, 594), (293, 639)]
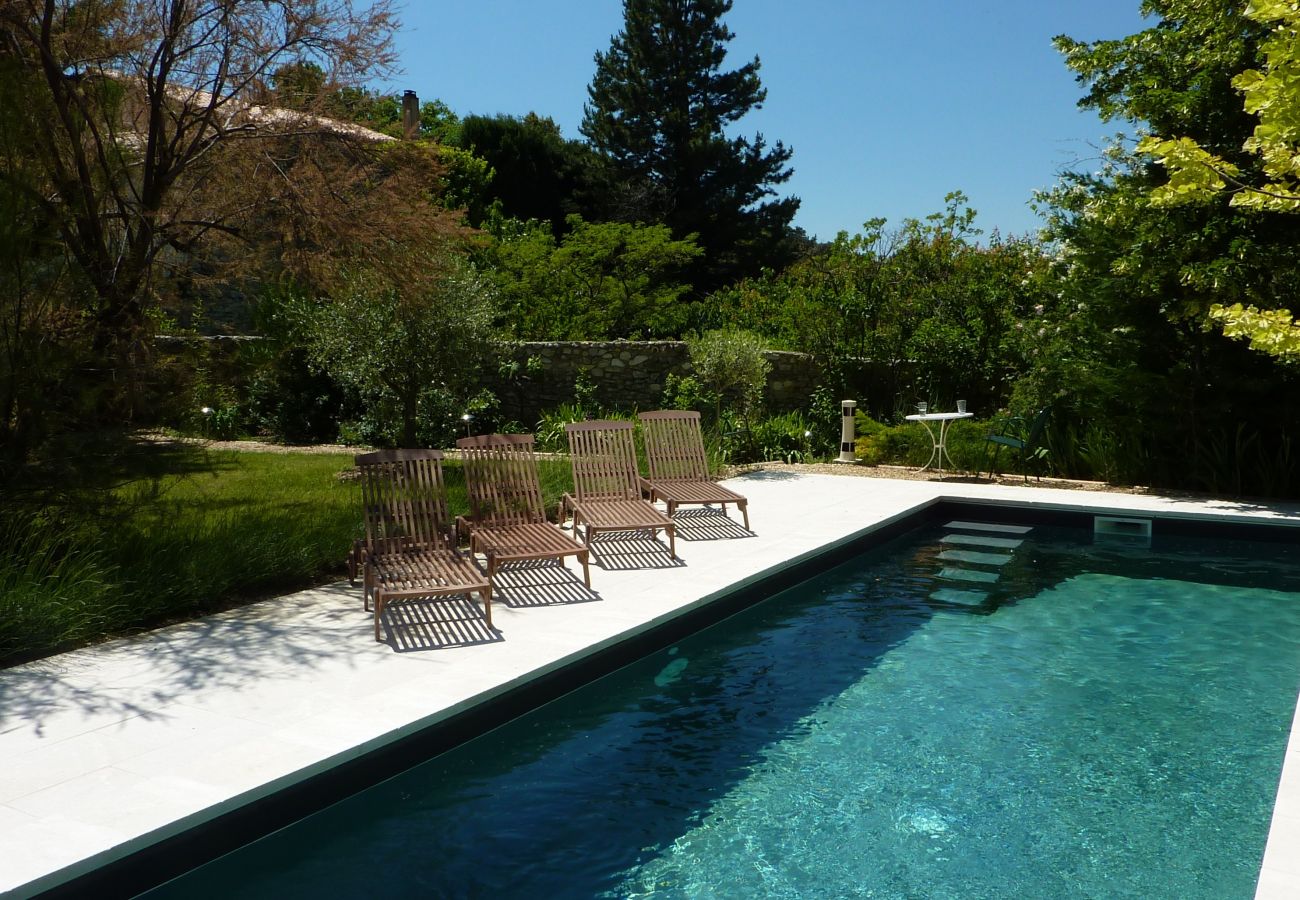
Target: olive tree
[(398, 345), (731, 366)]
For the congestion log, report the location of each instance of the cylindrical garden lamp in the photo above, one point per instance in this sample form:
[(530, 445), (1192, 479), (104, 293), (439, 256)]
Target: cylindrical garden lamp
[(847, 432)]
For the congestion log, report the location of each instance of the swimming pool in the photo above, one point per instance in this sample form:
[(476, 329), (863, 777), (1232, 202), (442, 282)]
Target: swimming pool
[(952, 714)]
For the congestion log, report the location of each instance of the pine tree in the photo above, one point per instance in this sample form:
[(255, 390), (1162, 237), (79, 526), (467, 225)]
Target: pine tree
[(658, 106)]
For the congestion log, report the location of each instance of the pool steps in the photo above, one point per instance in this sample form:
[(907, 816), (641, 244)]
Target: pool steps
[(959, 562), (980, 540), (974, 556), (990, 526)]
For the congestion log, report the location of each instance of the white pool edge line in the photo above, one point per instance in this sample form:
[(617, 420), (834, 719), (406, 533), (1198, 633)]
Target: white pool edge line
[(198, 819)]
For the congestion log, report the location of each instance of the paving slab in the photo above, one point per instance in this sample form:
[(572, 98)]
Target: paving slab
[(111, 748)]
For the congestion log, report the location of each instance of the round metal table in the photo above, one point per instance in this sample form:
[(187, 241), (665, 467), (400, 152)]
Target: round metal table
[(940, 440)]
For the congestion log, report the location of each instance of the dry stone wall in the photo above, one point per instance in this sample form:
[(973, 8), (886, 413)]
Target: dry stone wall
[(627, 375)]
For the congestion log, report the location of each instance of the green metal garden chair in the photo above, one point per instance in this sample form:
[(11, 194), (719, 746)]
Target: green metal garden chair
[(1026, 442)]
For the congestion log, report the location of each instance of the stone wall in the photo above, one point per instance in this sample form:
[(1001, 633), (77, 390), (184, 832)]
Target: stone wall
[(628, 375)]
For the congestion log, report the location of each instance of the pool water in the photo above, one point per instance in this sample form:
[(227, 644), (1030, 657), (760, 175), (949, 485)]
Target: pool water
[(964, 712)]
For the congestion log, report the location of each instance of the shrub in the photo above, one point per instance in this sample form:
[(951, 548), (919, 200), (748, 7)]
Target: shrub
[(908, 444), (786, 438), (550, 434), (686, 392), (732, 368), (185, 533)]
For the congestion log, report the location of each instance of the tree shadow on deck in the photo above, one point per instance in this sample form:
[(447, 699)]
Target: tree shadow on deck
[(239, 650)]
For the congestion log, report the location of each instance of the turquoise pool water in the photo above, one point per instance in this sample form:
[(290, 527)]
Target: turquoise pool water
[(960, 713)]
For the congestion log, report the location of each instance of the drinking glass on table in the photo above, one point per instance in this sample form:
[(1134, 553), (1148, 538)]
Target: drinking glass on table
[(922, 408), (961, 406)]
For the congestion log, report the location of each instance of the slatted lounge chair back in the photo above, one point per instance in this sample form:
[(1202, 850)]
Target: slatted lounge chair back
[(674, 446), (501, 478), (405, 500), (604, 460)]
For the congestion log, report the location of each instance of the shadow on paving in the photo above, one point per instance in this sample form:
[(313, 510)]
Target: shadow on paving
[(626, 550), (140, 676), (543, 582), (707, 523), (436, 623)]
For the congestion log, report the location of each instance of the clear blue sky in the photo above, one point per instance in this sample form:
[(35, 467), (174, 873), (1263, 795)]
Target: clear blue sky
[(888, 105)]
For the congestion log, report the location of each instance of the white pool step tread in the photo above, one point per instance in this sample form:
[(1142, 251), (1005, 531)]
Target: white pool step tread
[(976, 557), (961, 597), (990, 526), (953, 573), (982, 540)]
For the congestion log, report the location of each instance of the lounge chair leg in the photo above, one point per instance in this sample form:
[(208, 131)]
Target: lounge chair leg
[(672, 540), (586, 572), (379, 609), (487, 605), (744, 511)]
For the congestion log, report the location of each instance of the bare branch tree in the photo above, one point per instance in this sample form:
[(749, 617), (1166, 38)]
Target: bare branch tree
[(137, 106)]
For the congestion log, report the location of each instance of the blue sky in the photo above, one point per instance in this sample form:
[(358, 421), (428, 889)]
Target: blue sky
[(888, 105)]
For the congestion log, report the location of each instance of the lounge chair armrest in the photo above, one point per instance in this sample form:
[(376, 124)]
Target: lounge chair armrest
[(647, 489), (462, 528)]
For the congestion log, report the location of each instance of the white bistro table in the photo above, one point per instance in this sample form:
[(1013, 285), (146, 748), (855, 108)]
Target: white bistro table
[(939, 440)]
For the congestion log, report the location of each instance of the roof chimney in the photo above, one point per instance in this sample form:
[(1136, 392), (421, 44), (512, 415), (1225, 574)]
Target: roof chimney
[(410, 114)]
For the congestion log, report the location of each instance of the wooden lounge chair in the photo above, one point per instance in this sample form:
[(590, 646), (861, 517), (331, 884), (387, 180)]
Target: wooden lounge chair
[(607, 489), (408, 552), (356, 560), (507, 520), (679, 472)]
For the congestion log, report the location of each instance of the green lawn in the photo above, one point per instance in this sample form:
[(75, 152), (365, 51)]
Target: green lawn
[(212, 530)]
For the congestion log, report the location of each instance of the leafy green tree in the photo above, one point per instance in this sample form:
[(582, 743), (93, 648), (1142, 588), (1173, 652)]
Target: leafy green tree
[(1196, 174), (600, 280), (931, 307), (537, 173), (1153, 382), (145, 159), (1271, 93), (464, 180), (658, 108), (303, 85), (40, 324), (398, 346)]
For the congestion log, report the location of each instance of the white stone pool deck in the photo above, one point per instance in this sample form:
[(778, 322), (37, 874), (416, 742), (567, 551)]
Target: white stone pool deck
[(112, 748)]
